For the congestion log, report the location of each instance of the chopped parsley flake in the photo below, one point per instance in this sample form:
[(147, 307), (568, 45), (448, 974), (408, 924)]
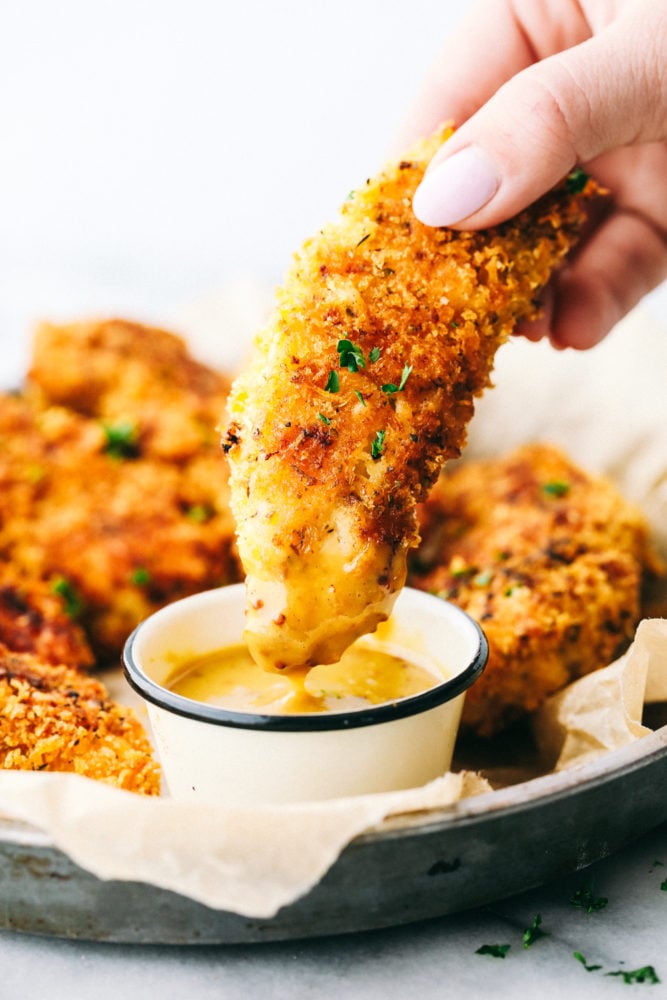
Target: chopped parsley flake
[(458, 567), (495, 950), (389, 387), (333, 382), (200, 513), (121, 440), (534, 932), (580, 958), (584, 898), (646, 974), (374, 354), (71, 600), (557, 488), (663, 885), (325, 420), (351, 355), (141, 576), (576, 181), (377, 444), (360, 397)]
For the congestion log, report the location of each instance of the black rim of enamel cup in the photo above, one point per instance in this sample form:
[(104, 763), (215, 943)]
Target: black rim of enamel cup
[(446, 691)]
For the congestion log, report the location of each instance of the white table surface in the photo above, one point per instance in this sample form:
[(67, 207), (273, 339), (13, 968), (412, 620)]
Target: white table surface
[(431, 959), (153, 152)]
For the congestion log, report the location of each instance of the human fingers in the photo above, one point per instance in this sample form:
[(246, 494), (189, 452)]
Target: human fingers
[(487, 47), (540, 327), (624, 260), (606, 92)]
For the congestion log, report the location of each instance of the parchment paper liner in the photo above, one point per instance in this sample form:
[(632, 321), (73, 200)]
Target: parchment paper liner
[(253, 861)]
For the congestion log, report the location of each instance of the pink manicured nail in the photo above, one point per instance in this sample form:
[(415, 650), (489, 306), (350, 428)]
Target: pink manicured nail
[(456, 188)]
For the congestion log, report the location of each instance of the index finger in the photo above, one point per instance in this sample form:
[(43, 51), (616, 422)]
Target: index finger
[(492, 43)]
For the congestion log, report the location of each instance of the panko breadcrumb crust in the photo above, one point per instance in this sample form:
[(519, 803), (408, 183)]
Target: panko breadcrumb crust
[(57, 718), (32, 620), (548, 559), (113, 490), (362, 386), (113, 502)]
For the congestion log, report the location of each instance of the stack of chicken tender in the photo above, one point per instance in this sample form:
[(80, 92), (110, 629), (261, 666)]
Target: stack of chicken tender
[(112, 503)]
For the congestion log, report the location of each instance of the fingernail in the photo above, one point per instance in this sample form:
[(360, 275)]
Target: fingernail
[(456, 188)]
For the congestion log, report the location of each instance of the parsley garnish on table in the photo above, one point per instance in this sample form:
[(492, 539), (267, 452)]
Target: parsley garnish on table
[(534, 932), (580, 958), (584, 898), (529, 937), (646, 974), (495, 950)]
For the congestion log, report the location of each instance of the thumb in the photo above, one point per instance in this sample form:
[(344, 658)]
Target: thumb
[(607, 92)]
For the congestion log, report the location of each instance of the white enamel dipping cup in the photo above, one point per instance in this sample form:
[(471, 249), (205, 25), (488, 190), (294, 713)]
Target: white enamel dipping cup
[(237, 757)]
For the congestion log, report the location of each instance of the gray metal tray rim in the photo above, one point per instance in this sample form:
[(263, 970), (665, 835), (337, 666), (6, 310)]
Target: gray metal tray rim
[(533, 793)]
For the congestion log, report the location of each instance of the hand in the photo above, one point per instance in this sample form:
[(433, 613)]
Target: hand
[(538, 88)]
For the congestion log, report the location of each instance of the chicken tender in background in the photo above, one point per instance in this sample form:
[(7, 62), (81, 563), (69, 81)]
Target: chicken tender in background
[(55, 718), (549, 560), (118, 499), (133, 377), (32, 620), (362, 385)]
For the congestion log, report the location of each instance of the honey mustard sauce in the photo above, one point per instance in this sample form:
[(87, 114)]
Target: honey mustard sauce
[(364, 676)]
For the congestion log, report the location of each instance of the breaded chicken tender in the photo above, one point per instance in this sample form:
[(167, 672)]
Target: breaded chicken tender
[(55, 718), (361, 386), (33, 620), (549, 560), (117, 501), (139, 379)]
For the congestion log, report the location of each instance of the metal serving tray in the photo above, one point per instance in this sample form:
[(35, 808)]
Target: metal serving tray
[(482, 849)]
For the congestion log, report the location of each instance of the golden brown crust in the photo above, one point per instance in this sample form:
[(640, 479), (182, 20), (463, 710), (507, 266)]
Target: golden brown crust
[(327, 469), (113, 501), (54, 718), (125, 508), (123, 372), (549, 560), (33, 620)]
